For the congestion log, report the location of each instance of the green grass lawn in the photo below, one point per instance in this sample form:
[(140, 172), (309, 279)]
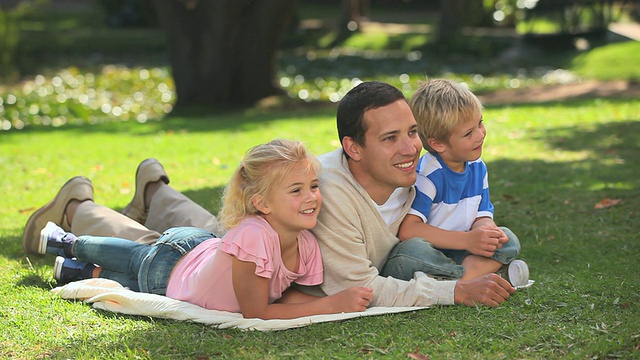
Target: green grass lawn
[(549, 165)]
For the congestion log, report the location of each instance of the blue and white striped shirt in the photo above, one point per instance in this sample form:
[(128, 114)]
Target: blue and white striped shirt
[(450, 200)]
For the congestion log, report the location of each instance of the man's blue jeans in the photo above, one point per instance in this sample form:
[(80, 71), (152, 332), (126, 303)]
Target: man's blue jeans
[(417, 254), (140, 267)]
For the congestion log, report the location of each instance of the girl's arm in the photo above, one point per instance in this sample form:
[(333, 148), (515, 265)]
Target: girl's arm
[(252, 292)]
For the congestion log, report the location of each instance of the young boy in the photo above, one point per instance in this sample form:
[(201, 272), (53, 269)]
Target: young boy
[(452, 211)]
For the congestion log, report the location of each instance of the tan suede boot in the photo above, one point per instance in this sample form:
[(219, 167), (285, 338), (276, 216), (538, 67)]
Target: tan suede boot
[(77, 188), (149, 170)]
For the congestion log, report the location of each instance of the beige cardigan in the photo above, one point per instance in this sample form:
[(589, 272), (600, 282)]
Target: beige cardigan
[(355, 242)]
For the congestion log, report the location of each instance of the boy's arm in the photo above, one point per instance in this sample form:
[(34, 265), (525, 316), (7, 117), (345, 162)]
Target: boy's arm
[(483, 239), (483, 221), (412, 226)]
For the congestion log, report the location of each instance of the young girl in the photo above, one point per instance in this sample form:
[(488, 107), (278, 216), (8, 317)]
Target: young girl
[(269, 206)]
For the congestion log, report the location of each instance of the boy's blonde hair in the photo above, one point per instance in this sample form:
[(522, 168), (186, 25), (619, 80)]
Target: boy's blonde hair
[(263, 167), (438, 106)]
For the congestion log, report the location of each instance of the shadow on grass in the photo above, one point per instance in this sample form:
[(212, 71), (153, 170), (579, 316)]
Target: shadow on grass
[(605, 140), (609, 166), (34, 280), (551, 205)]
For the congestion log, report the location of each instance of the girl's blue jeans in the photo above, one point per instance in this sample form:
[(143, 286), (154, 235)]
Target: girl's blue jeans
[(417, 254), (140, 267)]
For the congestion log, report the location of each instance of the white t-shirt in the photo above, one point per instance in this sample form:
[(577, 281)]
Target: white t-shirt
[(393, 208)]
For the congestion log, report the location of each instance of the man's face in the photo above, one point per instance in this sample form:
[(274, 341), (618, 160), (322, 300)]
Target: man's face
[(390, 155)]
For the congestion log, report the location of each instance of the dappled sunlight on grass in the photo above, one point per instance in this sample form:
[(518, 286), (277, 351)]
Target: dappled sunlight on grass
[(120, 93), (72, 97), (610, 62)]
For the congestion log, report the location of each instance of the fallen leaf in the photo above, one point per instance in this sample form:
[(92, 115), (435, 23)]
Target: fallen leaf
[(418, 356), (607, 203), (28, 210)]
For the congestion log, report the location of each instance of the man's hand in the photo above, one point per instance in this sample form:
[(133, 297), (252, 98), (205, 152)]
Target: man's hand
[(490, 290)]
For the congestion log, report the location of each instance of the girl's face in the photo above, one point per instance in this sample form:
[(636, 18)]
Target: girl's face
[(293, 205), (465, 143)]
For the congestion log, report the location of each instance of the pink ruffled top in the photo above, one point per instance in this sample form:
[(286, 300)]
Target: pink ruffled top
[(203, 275)]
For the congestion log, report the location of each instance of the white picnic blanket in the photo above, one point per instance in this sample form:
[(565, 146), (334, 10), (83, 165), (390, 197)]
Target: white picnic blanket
[(111, 296)]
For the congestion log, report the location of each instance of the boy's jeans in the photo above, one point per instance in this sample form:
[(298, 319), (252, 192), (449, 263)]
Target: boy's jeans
[(417, 254)]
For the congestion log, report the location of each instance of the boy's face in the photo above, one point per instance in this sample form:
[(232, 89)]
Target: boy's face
[(390, 155), (465, 143)]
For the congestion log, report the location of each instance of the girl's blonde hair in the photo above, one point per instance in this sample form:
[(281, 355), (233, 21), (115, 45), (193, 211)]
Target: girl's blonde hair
[(263, 167), (439, 105)]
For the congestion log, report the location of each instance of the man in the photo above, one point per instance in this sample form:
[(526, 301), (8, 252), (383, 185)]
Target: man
[(367, 190)]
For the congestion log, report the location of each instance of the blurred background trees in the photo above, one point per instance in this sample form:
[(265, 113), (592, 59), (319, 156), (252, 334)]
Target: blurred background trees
[(223, 53)]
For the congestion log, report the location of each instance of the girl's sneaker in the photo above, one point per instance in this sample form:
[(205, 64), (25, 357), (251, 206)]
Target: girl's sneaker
[(66, 270), (55, 241)]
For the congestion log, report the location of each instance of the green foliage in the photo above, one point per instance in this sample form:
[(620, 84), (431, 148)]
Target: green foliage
[(10, 35), (92, 92), (8, 41), (72, 97), (553, 17), (121, 93)]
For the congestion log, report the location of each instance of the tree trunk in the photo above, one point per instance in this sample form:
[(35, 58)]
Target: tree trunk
[(454, 15), (353, 11), (223, 52)]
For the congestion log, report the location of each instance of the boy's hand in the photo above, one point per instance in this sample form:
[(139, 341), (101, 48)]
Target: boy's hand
[(485, 239)]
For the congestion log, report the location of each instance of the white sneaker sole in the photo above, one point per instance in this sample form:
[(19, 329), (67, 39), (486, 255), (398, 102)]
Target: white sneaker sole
[(44, 236), (518, 273), (57, 268)]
